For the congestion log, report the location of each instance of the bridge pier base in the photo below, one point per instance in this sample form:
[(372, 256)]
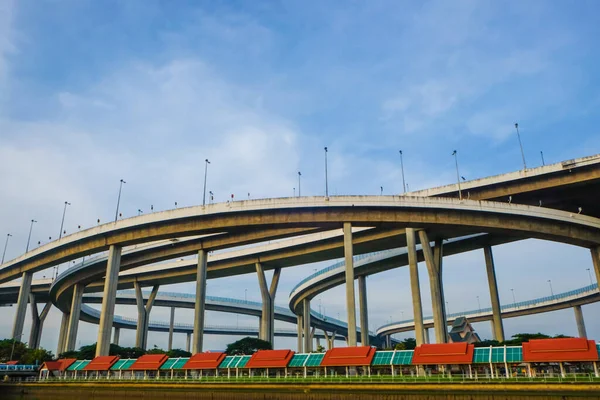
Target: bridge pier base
[(116, 335), (21, 311), (496, 312), (414, 285), (580, 322), (171, 328), (363, 310), (141, 334), (107, 313), (200, 302), (37, 323), (267, 319), (74, 317), (433, 260), (350, 299)]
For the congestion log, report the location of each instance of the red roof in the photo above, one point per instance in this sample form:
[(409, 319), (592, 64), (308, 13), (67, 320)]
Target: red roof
[(270, 359), (556, 350), (102, 363), (204, 361), (66, 363), (51, 365), (443, 353), (343, 356), (149, 362), (12, 362)]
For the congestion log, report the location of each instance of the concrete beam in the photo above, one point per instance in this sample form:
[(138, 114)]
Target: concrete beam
[(414, 285), (580, 322), (37, 323), (171, 327), (306, 325), (200, 302), (496, 311), (107, 312), (21, 310), (435, 283), (74, 317), (364, 311), (350, 299)]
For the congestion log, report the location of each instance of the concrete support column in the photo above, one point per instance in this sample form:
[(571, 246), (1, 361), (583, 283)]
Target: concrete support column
[(116, 335), (493, 329), (491, 275), (580, 322), (188, 340), (434, 270), (327, 339), (74, 317), (200, 302), (21, 310), (350, 299), (62, 333), (141, 334), (364, 311), (171, 328), (306, 325), (267, 319), (388, 341), (414, 285), (107, 312), (299, 326), (37, 322), (596, 261), (426, 335)]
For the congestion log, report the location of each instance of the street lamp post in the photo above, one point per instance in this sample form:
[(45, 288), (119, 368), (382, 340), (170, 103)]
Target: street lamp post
[(206, 162), (29, 237), (326, 183), (212, 196), (63, 219), (299, 175), (402, 168), (590, 274), (521, 145), (455, 154), (8, 235), (551, 291), (121, 182), (542, 154)]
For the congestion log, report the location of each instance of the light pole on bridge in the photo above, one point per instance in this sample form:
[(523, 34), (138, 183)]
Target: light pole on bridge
[(326, 183), (402, 167), (29, 237), (590, 274), (63, 219), (455, 154), (8, 235), (299, 175), (551, 291), (121, 182), (206, 162), (521, 145)]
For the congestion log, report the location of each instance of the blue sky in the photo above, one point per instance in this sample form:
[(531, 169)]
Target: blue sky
[(92, 92)]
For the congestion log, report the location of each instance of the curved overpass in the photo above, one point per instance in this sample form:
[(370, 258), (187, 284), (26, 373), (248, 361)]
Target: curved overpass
[(585, 295)]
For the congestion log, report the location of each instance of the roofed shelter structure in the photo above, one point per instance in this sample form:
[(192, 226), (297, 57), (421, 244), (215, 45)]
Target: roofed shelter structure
[(204, 361)]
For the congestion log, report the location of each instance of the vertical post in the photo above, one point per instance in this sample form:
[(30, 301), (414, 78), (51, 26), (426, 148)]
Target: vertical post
[(426, 335), (62, 334), (299, 326), (200, 302), (364, 313), (37, 325), (188, 341), (414, 285), (107, 312), (171, 327), (272, 293), (491, 275), (306, 325), (74, 316), (580, 322), (22, 305), (116, 335), (264, 333), (350, 300), (596, 261), (435, 284)]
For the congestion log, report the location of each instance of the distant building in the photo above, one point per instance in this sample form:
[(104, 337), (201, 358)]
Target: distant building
[(462, 331)]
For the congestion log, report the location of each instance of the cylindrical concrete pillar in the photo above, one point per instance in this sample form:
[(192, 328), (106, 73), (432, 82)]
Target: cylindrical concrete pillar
[(74, 316), (62, 333), (37, 325), (426, 335), (188, 341), (107, 312), (414, 285), (200, 302), (491, 275), (171, 327), (306, 325), (350, 299), (435, 285), (364, 311), (580, 322), (116, 335), (596, 262), (299, 327), (265, 324), (21, 309)]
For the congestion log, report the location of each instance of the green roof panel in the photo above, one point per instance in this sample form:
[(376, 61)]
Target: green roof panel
[(314, 359), (78, 365), (298, 360), (481, 355), (383, 358), (403, 357)]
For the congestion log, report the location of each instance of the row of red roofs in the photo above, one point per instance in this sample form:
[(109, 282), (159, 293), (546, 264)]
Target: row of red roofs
[(542, 350)]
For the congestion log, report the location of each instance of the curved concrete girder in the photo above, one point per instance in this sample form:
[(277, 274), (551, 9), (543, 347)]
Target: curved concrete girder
[(309, 212), (384, 262), (586, 295)]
